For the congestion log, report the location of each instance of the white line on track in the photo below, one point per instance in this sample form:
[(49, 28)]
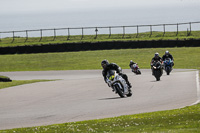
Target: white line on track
[(198, 88)]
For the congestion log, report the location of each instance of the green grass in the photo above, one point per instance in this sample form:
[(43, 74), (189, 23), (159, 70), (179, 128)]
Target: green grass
[(185, 120), (18, 82), (21, 41), (184, 58)]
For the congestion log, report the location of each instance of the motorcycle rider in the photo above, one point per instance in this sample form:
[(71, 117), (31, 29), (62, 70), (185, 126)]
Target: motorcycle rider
[(112, 66), (168, 55), (156, 58), (131, 63)]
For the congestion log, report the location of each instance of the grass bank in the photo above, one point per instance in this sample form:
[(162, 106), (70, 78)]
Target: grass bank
[(21, 41), (184, 58)]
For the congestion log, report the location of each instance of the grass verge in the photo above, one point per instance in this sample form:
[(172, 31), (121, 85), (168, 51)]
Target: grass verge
[(19, 82), (185, 120)]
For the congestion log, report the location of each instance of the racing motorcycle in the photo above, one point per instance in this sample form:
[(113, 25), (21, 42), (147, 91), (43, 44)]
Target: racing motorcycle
[(118, 84), (135, 68), (168, 65), (157, 69)]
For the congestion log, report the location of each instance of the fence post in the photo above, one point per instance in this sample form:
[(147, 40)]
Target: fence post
[(177, 30), (0, 36), (54, 34), (68, 34), (40, 34), (150, 30), (123, 31), (96, 30), (109, 32), (13, 36), (190, 28), (137, 31), (82, 34), (26, 35), (163, 30)]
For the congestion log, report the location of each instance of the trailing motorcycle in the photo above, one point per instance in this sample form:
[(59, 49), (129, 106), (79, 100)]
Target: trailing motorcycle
[(135, 69), (118, 84), (157, 69), (168, 65)]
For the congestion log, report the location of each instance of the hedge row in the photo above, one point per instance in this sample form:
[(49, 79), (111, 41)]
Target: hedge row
[(68, 47)]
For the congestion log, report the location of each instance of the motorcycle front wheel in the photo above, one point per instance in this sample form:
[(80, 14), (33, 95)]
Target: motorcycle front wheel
[(167, 70), (157, 75), (119, 91)]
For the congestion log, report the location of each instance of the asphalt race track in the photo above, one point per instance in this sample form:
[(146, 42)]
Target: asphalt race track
[(83, 95)]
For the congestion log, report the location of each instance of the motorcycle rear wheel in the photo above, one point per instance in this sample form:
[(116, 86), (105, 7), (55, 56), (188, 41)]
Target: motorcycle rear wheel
[(129, 94), (138, 72)]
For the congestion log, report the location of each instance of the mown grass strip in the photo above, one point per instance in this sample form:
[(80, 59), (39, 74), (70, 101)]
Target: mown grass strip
[(19, 82)]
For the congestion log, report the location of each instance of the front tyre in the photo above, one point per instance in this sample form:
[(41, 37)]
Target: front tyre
[(157, 75), (167, 70), (119, 91)]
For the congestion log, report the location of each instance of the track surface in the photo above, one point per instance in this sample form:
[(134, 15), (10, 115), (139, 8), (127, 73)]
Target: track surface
[(83, 95)]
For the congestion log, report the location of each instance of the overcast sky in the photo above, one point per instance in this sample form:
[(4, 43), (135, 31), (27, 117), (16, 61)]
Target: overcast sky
[(28, 6)]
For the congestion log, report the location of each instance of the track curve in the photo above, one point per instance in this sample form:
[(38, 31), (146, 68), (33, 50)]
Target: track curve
[(83, 95)]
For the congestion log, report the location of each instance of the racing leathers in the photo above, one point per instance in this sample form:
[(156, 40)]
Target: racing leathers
[(113, 66)]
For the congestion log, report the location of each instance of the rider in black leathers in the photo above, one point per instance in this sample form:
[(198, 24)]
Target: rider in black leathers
[(156, 58), (112, 66), (132, 63)]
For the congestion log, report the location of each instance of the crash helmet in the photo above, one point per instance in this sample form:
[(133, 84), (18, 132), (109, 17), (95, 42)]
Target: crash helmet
[(156, 55), (131, 61), (166, 52), (104, 63)]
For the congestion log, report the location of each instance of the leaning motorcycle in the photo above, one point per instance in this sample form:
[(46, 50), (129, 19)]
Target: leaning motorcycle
[(157, 70), (135, 69), (168, 65), (118, 84)]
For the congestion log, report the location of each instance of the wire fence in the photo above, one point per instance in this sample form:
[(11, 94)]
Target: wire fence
[(107, 30)]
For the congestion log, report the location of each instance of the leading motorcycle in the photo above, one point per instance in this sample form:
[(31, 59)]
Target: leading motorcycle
[(157, 69), (118, 84)]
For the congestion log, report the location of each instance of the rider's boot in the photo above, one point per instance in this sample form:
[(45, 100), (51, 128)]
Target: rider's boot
[(129, 85)]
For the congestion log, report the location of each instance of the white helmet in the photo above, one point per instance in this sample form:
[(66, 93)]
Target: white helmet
[(166, 52)]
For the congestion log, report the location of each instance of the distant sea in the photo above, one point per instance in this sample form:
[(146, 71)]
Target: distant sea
[(118, 17)]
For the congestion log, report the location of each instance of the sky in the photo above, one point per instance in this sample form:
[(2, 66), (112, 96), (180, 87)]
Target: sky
[(36, 6)]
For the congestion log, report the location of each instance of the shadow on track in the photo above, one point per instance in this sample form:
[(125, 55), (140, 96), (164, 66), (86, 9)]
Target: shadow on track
[(110, 98)]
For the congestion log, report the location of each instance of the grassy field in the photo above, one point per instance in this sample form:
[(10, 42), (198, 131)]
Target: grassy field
[(184, 58), (21, 41), (179, 120)]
